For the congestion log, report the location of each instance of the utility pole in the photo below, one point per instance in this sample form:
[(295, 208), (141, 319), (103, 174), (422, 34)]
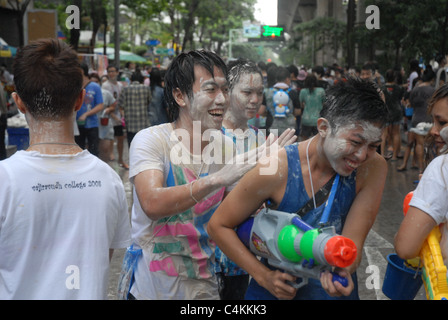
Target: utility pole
[(351, 16), (117, 33)]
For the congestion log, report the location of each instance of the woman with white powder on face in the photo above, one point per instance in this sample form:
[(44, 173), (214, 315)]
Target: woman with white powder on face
[(246, 97), (349, 132), (429, 204)]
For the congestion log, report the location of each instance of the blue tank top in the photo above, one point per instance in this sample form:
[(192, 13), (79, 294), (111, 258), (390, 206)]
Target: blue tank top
[(296, 197)]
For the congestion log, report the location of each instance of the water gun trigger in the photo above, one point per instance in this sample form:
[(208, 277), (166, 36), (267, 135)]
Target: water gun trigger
[(341, 280)]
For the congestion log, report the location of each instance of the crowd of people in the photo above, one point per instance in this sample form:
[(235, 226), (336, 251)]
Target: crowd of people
[(210, 144)]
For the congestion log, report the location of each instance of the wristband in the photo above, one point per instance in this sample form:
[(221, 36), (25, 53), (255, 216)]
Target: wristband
[(191, 191)]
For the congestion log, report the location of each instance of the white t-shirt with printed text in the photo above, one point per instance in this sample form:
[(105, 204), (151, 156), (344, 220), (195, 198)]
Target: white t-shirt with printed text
[(59, 216)]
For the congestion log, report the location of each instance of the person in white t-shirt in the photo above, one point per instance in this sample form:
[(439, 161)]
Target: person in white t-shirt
[(115, 87), (180, 177), (428, 207), (62, 210)]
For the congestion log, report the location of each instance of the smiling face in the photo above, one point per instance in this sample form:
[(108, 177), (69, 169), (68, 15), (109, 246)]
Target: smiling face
[(350, 145), (210, 98), (246, 97), (440, 118)]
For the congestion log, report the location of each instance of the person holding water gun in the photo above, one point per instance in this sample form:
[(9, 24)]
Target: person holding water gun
[(349, 133), (428, 207)]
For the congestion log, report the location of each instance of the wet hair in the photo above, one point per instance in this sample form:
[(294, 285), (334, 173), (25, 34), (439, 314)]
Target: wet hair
[(180, 75), (48, 78), (236, 68), (354, 100)]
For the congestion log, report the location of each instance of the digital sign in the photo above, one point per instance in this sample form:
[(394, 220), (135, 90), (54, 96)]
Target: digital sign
[(270, 33)]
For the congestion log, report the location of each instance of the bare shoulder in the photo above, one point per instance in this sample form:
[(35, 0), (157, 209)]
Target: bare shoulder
[(272, 173), (373, 171)]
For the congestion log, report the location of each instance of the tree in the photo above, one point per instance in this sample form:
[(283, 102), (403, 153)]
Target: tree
[(321, 32), (351, 17), (409, 29)]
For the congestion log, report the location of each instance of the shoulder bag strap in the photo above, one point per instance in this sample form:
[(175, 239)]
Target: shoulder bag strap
[(320, 197)]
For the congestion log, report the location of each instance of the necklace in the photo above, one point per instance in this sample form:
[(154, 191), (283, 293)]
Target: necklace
[(58, 143), (309, 169)]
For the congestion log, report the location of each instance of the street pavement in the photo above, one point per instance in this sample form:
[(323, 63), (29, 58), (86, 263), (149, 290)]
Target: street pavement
[(378, 245)]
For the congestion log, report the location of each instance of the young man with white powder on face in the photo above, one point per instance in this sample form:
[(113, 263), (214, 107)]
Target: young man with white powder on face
[(62, 209), (349, 132), (180, 178)]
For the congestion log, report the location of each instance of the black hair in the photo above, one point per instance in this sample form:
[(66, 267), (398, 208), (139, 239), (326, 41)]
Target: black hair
[(262, 65), (238, 67), (293, 69), (282, 74), (310, 82), (414, 66), (85, 69), (428, 75), (156, 78), (271, 75), (180, 75), (369, 66), (319, 70), (390, 75), (137, 76), (48, 78), (354, 100)]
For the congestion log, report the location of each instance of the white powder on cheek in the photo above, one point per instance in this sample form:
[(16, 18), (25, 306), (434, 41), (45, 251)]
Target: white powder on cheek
[(444, 134), (334, 147)]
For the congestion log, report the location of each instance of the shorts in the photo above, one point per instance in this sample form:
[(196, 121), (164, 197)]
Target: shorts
[(118, 131)]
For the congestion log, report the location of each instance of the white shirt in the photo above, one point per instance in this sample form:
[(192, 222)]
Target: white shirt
[(177, 253), (431, 196), (59, 216)]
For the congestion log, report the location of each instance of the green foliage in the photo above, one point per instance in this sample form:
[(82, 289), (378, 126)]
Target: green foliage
[(409, 29), (316, 34)]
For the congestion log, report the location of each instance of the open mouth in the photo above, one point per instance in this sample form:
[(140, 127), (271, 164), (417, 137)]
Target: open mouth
[(351, 164), (216, 113)]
